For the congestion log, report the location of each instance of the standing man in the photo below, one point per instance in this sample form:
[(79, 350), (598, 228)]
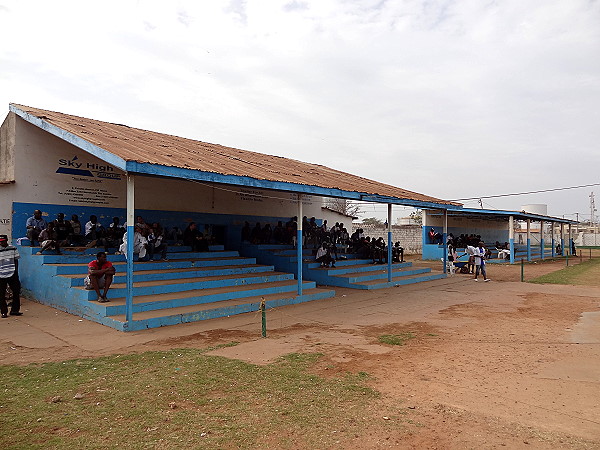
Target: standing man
[(35, 225), (9, 276), (480, 262), (100, 276)]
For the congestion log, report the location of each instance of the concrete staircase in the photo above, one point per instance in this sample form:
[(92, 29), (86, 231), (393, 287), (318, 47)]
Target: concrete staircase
[(190, 286), (351, 272)]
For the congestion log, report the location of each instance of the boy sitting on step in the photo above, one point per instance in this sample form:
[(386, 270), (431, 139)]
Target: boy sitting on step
[(100, 276)]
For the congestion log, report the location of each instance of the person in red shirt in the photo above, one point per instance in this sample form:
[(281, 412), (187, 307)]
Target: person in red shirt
[(100, 276)]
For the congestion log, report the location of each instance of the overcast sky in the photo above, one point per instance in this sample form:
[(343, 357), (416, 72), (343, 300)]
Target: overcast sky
[(453, 99)]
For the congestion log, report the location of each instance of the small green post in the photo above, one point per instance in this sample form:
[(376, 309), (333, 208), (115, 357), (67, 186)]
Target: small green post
[(264, 317), (522, 271)]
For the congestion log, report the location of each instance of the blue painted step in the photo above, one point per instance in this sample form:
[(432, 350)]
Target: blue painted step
[(65, 259), (169, 274), (196, 297), (363, 268), (194, 313), (384, 274), (398, 281), (172, 286), (74, 268)]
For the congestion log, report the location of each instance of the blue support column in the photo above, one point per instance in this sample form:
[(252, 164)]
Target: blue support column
[(512, 250), (542, 248), (299, 244), (562, 246), (553, 246), (511, 238), (389, 243), (130, 240), (444, 241), (528, 249)]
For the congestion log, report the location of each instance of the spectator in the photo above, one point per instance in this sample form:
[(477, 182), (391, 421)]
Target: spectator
[(100, 276), (76, 236), (471, 262), (573, 250), (156, 243), (49, 239), (144, 227), (114, 235), (397, 253), (247, 232), (35, 225), (140, 243), (63, 229), (9, 276), (94, 231), (195, 239), (256, 234), (266, 234), (278, 232), (324, 256)]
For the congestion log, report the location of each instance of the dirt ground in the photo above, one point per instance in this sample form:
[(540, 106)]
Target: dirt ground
[(491, 365)]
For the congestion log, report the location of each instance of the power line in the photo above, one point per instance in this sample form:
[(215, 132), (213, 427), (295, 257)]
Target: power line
[(525, 193)]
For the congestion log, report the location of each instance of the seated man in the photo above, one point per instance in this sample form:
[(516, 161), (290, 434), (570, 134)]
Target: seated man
[(35, 225), (94, 231), (63, 229), (156, 242), (397, 253), (76, 236), (140, 243), (49, 239), (503, 253), (114, 235), (100, 276), (324, 257)]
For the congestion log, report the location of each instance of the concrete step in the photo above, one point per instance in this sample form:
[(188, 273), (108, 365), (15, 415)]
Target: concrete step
[(363, 268), (225, 308), (383, 274), (398, 281), (116, 306), (169, 274), (181, 285), (81, 267), (66, 259)]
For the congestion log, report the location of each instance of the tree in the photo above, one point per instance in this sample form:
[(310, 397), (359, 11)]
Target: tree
[(343, 206), (373, 221), (417, 216)]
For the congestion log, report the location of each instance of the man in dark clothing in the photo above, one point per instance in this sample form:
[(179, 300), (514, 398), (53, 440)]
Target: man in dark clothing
[(63, 229), (9, 276)]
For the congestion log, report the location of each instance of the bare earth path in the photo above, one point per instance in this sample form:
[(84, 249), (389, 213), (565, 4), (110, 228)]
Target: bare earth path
[(492, 365)]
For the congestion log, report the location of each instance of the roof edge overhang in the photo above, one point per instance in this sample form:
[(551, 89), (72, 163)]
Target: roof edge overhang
[(236, 180), (78, 142), (519, 215)]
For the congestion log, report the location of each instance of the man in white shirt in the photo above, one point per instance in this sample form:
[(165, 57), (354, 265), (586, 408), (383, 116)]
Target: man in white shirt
[(140, 243), (479, 256)]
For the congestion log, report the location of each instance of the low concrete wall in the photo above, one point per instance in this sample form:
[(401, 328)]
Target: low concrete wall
[(409, 236)]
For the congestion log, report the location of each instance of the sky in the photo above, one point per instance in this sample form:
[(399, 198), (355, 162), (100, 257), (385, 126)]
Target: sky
[(453, 99)]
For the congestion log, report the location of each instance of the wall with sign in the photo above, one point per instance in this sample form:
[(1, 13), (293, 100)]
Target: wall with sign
[(54, 173)]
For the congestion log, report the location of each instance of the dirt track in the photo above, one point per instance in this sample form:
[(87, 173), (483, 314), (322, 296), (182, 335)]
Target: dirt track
[(499, 364)]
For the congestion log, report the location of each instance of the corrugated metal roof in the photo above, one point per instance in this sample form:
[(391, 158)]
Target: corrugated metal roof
[(134, 144)]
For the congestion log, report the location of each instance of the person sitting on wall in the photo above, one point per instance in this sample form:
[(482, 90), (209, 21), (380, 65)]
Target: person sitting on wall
[(278, 233), (76, 236), (9, 276), (94, 232), (255, 236), (324, 257), (140, 243), (266, 234), (194, 238), (114, 235), (144, 227), (175, 234), (100, 276), (247, 232), (397, 253), (377, 250), (434, 237), (63, 229), (49, 239), (35, 225), (156, 243), (558, 249)]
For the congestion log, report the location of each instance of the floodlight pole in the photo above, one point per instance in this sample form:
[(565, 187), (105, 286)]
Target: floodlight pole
[(130, 241)]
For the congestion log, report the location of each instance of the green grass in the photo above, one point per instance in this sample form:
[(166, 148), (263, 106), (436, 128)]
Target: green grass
[(585, 273), (396, 339), (179, 399)]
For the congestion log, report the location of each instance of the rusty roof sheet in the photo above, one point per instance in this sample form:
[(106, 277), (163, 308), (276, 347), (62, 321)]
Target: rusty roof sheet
[(134, 144)]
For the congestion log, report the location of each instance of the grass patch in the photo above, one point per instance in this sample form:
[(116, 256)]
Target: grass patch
[(179, 399), (586, 273), (396, 339)]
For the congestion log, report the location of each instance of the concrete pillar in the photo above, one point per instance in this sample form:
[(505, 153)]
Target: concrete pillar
[(299, 244), (444, 239), (541, 239), (389, 243), (553, 242), (528, 239), (562, 239), (511, 238), (130, 240)]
